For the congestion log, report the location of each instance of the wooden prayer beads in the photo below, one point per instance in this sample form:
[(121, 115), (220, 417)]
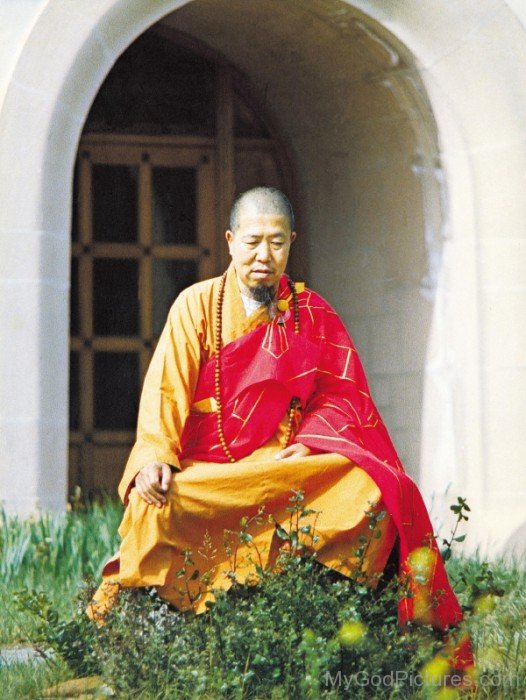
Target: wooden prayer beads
[(217, 370), (294, 403), (295, 306)]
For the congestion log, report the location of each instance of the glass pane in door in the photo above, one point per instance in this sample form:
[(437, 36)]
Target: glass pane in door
[(169, 278), (116, 390), (114, 192), (115, 296), (174, 203)]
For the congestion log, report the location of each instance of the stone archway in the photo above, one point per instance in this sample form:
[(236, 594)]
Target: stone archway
[(35, 219), (466, 368)]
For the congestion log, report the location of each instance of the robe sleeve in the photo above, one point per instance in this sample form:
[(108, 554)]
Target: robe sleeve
[(341, 413), (167, 392)]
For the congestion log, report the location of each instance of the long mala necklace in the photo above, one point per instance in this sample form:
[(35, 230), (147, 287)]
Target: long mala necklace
[(217, 370)]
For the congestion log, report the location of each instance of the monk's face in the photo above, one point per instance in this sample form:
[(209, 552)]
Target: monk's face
[(260, 248)]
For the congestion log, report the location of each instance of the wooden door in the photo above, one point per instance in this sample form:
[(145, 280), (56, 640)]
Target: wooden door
[(144, 228), (172, 136)]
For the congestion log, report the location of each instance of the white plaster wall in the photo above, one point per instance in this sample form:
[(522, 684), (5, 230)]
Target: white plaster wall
[(20, 422), (61, 52), (473, 63), (17, 18)]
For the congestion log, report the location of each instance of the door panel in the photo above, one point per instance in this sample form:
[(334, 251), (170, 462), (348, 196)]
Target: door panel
[(174, 205), (115, 195), (170, 277)]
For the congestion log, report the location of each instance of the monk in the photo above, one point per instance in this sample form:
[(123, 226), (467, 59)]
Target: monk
[(255, 389)]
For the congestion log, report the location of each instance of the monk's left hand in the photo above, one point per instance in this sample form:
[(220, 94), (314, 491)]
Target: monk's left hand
[(293, 452)]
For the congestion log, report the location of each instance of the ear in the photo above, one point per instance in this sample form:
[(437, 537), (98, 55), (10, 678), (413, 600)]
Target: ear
[(293, 236), (229, 237)]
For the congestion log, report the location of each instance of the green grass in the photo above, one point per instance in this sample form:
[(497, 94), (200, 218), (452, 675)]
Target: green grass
[(497, 623), (25, 681), (277, 640), (55, 553)]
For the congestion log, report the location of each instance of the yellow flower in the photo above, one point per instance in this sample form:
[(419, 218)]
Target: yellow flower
[(351, 633), (283, 304), (484, 604), (434, 671), (422, 561), (422, 608)]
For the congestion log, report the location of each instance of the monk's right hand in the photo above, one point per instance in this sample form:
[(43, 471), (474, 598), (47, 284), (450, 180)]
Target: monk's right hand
[(152, 483)]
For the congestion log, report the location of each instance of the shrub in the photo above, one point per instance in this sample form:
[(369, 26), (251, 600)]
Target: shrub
[(303, 632)]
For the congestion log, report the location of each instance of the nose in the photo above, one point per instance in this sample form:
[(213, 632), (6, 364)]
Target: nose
[(263, 252)]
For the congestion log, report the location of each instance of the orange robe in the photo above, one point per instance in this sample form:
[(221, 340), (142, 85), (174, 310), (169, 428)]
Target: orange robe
[(208, 499)]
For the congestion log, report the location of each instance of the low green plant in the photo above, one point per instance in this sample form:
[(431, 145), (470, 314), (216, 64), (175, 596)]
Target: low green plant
[(460, 508), (303, 631)]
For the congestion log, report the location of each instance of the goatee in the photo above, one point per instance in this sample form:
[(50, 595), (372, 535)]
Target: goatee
[(262, 293)]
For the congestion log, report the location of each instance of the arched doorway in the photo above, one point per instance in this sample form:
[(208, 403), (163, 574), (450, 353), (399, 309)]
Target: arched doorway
[(170, 138), (64, 52)]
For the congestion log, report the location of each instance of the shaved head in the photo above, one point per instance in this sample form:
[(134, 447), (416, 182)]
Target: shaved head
[(259, 239), (261, 200)]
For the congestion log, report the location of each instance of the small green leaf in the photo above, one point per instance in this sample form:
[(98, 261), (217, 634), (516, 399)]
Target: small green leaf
[(282, 533)]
